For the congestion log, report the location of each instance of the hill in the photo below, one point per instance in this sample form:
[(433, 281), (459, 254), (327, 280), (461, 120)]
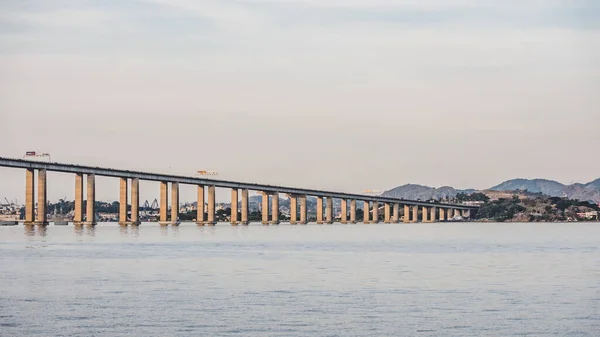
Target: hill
[(586, 192), (414, 191), (544, 186)]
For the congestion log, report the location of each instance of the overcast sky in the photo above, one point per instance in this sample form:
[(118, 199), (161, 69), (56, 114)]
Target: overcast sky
[(332, 94)]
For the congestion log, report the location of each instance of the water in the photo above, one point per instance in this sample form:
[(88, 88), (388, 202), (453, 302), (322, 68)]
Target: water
[(318, 280)]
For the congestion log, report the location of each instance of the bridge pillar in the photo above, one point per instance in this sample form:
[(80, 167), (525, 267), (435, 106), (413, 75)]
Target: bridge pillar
[(29, 196), (245, 207), (303, 209), (415, 213), (123, 201), (320, 210), (275, 209), (175, 204), (456, 213), (432, 217), (465, 213), (366, 212), (42, 216), (135, 201), (406, 214), (78, 216), (375, 212), (386, 213), (200, 218), (265, 208), (396, 213), (329, 210), (442, 214), (425, 214), (164, 203), (344, 211), (234, 207), (90, 213), (293, 209), (211, 218), (353, 211)]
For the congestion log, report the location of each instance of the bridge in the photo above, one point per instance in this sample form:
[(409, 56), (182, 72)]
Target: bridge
[(414, 210)]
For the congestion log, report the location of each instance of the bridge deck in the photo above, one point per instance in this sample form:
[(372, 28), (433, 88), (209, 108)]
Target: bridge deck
[(110, 172)]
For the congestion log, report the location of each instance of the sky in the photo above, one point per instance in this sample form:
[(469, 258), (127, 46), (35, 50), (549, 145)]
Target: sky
[(343, 95)]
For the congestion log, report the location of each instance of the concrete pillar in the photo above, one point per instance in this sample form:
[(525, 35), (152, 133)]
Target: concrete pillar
[(352, 211), (396, 213), (42, 216), (442, 214), (456, 213), (211, 218), (265, 208), (303, 210), (29, 196), (425, 214), (245, 220), (293, 210), (467, 213), (432, 212), (174, 204), (90, 213), (329, 210), (78, 216), (123, 201), (415, 213), (234, 207), (164, 203), (375, 212), (406, 214), (320, 210), (366, 212), (135, 201), (275, 209), (387, 216), (344, 211), (200, 219)]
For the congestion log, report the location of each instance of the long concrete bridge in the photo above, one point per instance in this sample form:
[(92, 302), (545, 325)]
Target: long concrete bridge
[(414, 210)]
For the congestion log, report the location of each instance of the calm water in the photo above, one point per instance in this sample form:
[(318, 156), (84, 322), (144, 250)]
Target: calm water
[(327, 280)]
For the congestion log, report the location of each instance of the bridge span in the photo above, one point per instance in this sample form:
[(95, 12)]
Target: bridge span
[(413, 210)]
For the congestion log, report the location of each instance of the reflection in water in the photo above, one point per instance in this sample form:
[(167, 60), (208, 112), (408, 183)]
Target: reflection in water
[(164, 230), (29, 230), (90, 230), (134, 230), (129, 231), (32, 230), (78, 230), (207, 230)]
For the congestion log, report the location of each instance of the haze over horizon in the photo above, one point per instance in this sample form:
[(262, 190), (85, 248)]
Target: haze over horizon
[(340, 95)]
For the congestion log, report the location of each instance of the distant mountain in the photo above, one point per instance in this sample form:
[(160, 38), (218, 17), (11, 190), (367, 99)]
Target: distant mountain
[(547, 187), (413, 191), (594, 184), (585, 192)]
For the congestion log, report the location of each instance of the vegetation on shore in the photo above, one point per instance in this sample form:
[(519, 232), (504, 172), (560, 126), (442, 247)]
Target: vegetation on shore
[(531, 207)]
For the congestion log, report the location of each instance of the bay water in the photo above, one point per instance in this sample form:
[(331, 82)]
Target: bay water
[(441, 279)]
